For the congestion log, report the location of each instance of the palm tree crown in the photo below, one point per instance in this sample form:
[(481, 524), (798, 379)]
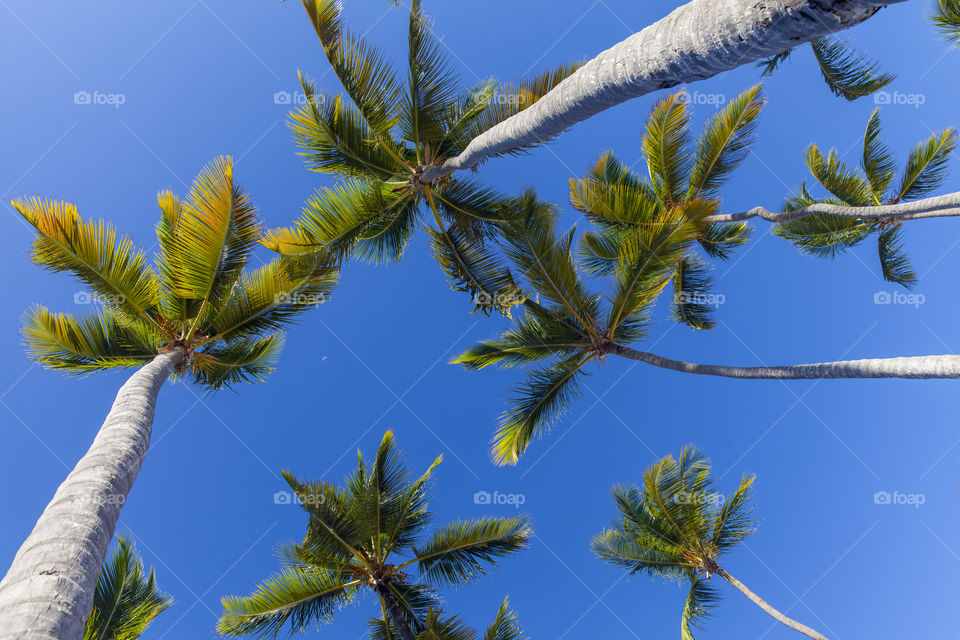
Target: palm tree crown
[(370, 534), (198, 295), (380, 138), (126, 600)]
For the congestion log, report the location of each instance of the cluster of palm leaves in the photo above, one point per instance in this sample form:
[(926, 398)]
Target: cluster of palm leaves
[(371, 534), (381, 136), (826, 236), (197, 296)]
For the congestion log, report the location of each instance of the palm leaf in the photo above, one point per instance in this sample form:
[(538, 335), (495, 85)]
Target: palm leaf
[(691, 290), (720, 240), (734, 520), (701, 598), (771, 65), (456, 554), (847, 74), (665, 143), (878, 160), (946, 17), (833, 174), (823, 235), (505, 626), (927, 165), (432, 86), (894, 263), (223, 364)]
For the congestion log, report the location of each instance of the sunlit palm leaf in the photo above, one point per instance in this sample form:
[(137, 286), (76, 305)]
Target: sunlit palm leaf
[(665, 147), (833, 174), (432, 85), (946, 17), (927, 165), (878, 161), (457, 553), (505, 626)]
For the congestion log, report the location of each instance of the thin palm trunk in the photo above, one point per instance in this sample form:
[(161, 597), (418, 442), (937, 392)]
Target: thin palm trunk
[(938, 207), (393, 607), (763, 604), (943, 366), (696, 41), (48, 592)]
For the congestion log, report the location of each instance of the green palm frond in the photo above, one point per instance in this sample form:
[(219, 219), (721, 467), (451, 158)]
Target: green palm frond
[(878, 161), (771, 65), (894, 263), (837, 178), (599, 251), (823, 235), (299, 599), (332, 522), (362, 70), (627, 203), (725, 143), (224, 364), (87, 344), (927, 165), (333, 137), (432, 87), (665, 147), (701, 598), (126, 599), (946, 18), (720, 240), (847, 74), (691, 291), (471, 205), (638, 552), (505, 626), (540, 399), (415, 601), (387, 234), (95, 254), (457, 553), (735, 520)]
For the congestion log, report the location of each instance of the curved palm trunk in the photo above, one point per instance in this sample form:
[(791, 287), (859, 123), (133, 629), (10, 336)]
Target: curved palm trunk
[(763, 604), (938, 207), (946, 366), (696, 41), (48, 592), (393, 608)]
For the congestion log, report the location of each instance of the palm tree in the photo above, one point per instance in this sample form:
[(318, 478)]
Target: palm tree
[(382, 136), (353, 536), (438, 627), (676, 526), (695, 41), (196, 313), (126, 600), (826, 235), (647, 234)]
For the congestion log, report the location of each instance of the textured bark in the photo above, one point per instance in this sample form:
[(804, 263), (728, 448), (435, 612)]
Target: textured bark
[(696, 41), (393, 608), (48, 592), (943, 206), (760, 602), (945, 366)]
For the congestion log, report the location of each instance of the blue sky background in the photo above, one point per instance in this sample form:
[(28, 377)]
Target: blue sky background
[(199, 78)]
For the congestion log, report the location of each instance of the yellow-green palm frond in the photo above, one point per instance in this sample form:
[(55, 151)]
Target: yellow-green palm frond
[(385, 237), (459, 552), (95, 254), (665, 147), (622, 202), (725, 143), (223, 364), (946, 18), (847, 74), (927, 165), (837, 178), (691, 293), (878, 162), (735, 521), (698, 606), (539, 401), (87, 344), (365, 74), (505, 626)]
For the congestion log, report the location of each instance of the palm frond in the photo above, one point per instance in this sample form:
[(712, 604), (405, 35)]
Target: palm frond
[(505, 626), (823, 235), (735, 520), (771, 65), (878, 160), (946, 18), (638, 553), (95, 254), (847, 74), (725, 143), (87, 344), (927, 165), (833, 174), (691, 293), (223, 364), (894, 263), (457, 553), (431, 84), (332, 524), (720, 240), (626, 203), (472, 206), (665, 147), (540, 399), (701, 598)]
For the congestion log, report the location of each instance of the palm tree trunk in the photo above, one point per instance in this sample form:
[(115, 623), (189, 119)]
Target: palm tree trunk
[(696, 41), (763, 604), (48, 592), (938, 207), (393, 608), (945, 366)]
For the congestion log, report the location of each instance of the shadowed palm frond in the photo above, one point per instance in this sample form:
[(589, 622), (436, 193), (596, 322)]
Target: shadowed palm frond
[(505, 626), (224, 364), (701, 598), (894, 263), (927, 165), (691, 293), (720, 240), (848, 75), (457, 553), (823, 235), (432, 87)]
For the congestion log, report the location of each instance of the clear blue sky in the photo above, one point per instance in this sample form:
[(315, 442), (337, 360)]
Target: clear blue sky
[(198, 79)]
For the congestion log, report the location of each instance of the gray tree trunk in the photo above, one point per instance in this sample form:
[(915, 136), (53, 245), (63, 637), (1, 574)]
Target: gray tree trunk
[(696, 41), (48, 592), (943, 206), (760, 602), (946, 366)]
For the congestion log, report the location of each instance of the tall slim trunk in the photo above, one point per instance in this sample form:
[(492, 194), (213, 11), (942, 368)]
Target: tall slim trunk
[(696, 41), (763, 604), (943, 206), (945, 366), (48, 592), (393, 609)]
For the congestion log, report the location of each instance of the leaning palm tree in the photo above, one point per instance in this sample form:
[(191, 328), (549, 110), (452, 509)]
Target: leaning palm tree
[(677, 526), (379, 139), (126, 599), (370, 535), (198, 313), (648, 230), (695, 41)]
